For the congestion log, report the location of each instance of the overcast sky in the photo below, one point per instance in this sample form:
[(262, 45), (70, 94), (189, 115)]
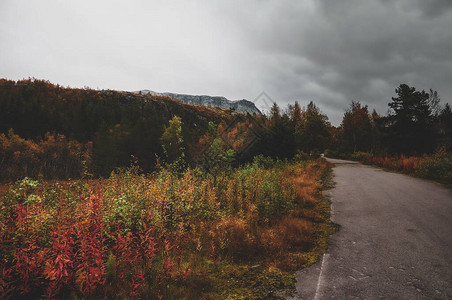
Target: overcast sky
[(327, 51)]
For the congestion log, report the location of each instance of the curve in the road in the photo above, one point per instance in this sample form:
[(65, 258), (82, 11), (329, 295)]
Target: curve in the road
[(395, 240)]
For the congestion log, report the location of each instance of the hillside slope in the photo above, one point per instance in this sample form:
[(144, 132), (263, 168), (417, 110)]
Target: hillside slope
[(121, 125)]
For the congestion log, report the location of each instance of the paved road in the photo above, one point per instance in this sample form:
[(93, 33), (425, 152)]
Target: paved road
[(395, 240)]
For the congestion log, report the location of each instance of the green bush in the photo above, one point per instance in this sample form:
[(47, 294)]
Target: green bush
[(436, 168), (336, 153), (364, 157)]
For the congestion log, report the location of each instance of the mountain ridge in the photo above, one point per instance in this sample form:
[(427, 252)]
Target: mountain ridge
[(243, 105)]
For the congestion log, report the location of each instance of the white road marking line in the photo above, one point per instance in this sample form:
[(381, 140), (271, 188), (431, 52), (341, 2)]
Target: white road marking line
[(320, 277)]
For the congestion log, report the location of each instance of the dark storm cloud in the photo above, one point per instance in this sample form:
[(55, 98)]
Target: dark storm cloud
[(433, 8), (362, 50), (327, 51)]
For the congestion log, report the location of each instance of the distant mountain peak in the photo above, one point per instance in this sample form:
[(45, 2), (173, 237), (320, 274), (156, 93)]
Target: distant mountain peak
[(243, 105)]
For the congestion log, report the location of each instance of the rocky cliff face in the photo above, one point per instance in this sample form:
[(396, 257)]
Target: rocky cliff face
[(244, 106)]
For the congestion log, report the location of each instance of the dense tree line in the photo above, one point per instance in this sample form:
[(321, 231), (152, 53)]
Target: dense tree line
[(295, 130), (122, 126), (415, 124), (154, 130)]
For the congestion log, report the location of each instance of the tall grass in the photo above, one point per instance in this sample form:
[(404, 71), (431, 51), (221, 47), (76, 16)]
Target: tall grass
[(154, 236), (436, 166)]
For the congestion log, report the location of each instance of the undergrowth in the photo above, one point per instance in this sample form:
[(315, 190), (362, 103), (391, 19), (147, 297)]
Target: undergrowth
[(436, 166), (165, 235)]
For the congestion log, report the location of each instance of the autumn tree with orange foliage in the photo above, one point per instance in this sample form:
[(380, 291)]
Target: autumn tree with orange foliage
[(54, 157)]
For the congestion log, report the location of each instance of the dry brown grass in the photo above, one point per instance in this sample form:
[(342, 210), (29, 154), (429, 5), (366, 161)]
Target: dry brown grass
[(4, 188), (236, 238), (244, 236), (296, 233)]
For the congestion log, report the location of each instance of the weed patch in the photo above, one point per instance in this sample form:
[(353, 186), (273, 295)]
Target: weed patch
[(164, 235)]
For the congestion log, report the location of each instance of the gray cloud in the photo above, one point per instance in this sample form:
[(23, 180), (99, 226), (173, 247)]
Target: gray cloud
[(328, 51)]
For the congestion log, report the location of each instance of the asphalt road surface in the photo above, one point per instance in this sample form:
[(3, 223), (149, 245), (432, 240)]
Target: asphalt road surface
[(394, 241)]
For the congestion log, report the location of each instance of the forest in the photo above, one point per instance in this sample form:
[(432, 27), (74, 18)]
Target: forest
[(54, 132), (109, 194)]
